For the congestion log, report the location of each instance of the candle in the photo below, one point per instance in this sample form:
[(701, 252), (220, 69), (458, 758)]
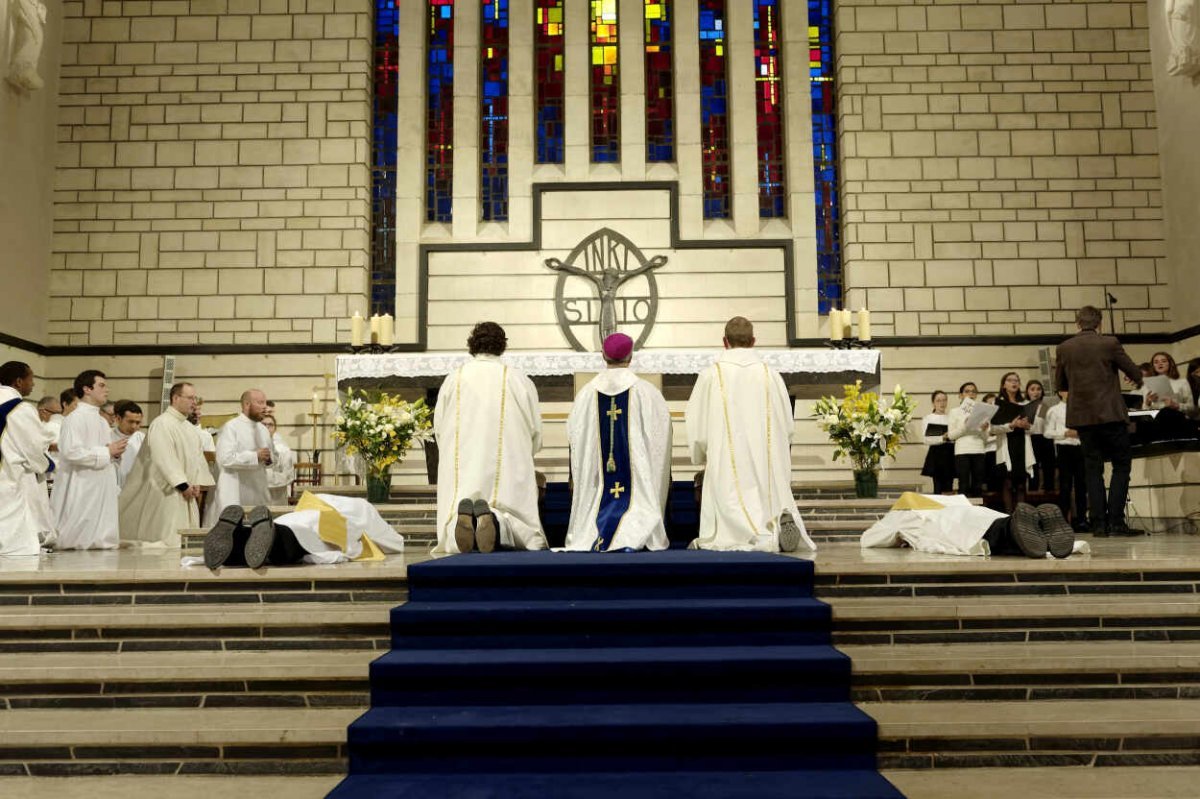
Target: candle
[(864, 325), (846, 318), (375, 328), (358, 330), (387, 330), (835, 324), (316, 403)]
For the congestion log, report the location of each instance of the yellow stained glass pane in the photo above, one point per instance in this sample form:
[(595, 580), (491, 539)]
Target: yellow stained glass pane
[(558, 63), (556, 15), (597, 56), (610, 55)]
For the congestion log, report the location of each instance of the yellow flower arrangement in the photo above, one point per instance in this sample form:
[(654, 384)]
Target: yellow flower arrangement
[(864, 428), (381, 431)]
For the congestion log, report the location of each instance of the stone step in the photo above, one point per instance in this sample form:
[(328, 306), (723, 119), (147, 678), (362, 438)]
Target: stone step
[(1012, 671), (174, 741), (173, 786), (133, 628), (1113, 782), (1005, 734), (199, 679), (1016, 619)]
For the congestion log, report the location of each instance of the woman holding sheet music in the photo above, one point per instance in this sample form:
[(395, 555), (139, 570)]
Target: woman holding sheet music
[(1014, 449), (1164, 366), (970, 443), (939, 460)]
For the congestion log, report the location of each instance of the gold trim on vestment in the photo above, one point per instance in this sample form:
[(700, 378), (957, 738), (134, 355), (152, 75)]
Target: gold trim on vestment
[(500, 435)]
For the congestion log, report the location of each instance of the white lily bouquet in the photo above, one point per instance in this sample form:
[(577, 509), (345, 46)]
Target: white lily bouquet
[(381, 431), (863, 427)]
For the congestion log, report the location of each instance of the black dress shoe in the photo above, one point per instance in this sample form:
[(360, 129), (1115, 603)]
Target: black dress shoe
[(1082, 527), (1121, 529), (218, 544), (262, 536), (486, 528), (1059, 536), (1027, 531), (464, 527)]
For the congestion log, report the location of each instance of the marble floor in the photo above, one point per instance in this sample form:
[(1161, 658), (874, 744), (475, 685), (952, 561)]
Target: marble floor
[(1160, 552)]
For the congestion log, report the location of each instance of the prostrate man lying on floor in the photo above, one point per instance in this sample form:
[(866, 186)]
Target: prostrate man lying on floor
[(951, 525), (323, 529), (620, 435)]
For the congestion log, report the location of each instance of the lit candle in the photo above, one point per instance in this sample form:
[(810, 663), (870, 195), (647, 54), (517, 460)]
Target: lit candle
[(375, 328), (316, 403), (358, 330), (864, 325), (835, 325), (387, 330)]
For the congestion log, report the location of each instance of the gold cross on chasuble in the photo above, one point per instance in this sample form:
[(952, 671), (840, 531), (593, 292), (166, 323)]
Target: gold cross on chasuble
[(612, 413), (617, 490)]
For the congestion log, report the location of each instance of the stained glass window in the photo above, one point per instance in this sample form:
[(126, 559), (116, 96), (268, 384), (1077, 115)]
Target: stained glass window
[(549, 82), (606, 83), (383, 158), (824, 122), (768, 95), (714, 111), (493, 112), (660, 92), (439, 112)]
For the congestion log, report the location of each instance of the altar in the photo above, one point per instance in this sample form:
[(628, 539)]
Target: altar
[(808, 373)]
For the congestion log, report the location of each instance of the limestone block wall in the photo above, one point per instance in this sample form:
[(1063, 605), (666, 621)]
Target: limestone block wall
[(212, 182), (1001, 165), (27, 125)]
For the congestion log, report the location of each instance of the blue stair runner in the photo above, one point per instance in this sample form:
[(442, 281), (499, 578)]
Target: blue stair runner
[(580, 676)]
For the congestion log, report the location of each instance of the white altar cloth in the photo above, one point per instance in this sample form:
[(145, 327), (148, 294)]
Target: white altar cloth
[(541, 364)]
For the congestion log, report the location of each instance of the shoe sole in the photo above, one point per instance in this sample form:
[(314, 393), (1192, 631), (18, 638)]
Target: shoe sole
[(485, 527), (1060, 536), (262, 536), (789, 536), (1028, 533), (218, 544), (464, 528)]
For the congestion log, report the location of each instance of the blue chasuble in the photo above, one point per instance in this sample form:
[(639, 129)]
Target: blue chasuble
[(614, 467)]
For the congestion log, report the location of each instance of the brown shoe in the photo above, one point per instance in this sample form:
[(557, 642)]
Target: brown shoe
[(486, 531), (1060, 537), (464, 528)]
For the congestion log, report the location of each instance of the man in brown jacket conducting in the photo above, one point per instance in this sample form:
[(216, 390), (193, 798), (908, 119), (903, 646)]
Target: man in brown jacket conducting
[(1087, 367)]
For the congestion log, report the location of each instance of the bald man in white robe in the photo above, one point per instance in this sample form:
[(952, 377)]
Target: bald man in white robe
[(243, 453), (488, 426), (739, 425)]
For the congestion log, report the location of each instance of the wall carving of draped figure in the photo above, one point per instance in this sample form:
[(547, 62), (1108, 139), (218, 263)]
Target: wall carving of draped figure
[(1183, 26), (26, 31)]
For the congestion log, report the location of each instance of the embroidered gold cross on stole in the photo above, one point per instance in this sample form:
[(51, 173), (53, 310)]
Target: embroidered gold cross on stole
[(612, 413), (617, 490)]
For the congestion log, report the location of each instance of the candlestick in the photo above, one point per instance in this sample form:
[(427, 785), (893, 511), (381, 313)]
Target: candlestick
[(375, 321), (864, 325), (358, 330), (835, 324), (387, 330)]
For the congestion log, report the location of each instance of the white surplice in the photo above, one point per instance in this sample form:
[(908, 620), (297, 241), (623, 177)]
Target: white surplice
[(23, 459), (740, 427), (152, 510), (361, 518), (488, 426), (85, 484), (129, 456), (281, 473), (641, 527), (241, 479)]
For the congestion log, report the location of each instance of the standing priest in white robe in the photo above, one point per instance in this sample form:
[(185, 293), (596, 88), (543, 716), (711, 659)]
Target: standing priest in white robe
[(739, 425), (159, 497), (488, 426), (85, 484), (23, 443), (128, 428), (243, 454), (620, 436)]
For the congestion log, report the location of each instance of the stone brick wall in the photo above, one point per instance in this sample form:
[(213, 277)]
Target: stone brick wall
[(212, 179), (1000, 165)]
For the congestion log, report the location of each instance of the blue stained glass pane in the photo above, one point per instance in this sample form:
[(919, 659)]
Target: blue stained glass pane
[(383, 158), (439, 112), (825, 162), (549, 80)]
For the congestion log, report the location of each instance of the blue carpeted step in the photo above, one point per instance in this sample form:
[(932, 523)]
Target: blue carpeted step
[(615, 575), (606, 675), (858, 784), (619, 737), (597, 623)]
